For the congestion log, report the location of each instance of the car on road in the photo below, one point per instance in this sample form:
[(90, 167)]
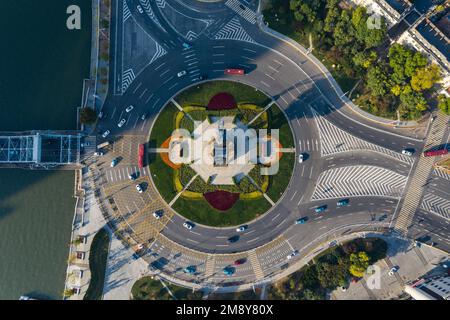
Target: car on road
[(144, 116), (343, 202), (100, 115), (393, 270), (228, 271), (242, 228), (106, 133), (202, 77), (158, 214), (293, 254), (320, 209), (407, 152), (121, 123), (98, 153), (114, 162), (233, 239), (181, 73), (301, 220), (343, 289), (139, 8), (238, 262), (188, 225), (85, 144), (132, 176), (190, 269), (139, 188), (129, 108), (242, 7), (239, 72), (187, 45), (300, 158)]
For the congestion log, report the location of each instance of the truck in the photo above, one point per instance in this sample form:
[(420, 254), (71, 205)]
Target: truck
[(433, 153)]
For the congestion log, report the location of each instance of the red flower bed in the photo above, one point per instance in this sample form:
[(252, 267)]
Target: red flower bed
[(222, 101), (221, 200)]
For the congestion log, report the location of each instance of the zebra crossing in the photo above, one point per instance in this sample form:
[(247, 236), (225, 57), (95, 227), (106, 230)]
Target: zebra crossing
[(122, 173), (436, 205), (247, 14), (233, 31), (441, 173), (335, 140), (357, 181)]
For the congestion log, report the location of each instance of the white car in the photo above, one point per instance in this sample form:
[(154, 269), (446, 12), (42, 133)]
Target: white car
[(187, 225), (106, 133), (140, 9), (129, 108), (98, 154), (393, 270), (139, 188), (181, 73), (407, 152), (121, 123), (300, 158), (293, 254)]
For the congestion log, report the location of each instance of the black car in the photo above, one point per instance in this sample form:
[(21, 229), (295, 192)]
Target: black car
[(233, 239)]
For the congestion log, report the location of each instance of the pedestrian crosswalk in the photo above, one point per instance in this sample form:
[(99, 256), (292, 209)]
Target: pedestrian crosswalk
[(245, 13), (233, 31), (441, 173), (121, 173), (126, 11), (334, 140), (356, 181), (436, 205)]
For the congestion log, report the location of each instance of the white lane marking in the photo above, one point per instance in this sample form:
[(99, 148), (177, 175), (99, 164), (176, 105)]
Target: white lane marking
[(160, 66), (137, 87)]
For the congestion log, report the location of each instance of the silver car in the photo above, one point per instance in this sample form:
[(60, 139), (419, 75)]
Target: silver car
[(106, 133), (121, 123), (181, 73), (129, 108)]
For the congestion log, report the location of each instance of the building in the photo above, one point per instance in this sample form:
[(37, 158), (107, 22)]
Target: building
[(435, 288)]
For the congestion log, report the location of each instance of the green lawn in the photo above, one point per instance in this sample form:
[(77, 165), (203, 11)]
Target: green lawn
[(162, 176), (148, 289), (97, 264), (201, 212), (201, 94), (163, 126), (277, 120), (280, 181)]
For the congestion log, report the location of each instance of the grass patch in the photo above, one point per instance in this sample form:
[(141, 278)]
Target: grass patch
[(163, 126), (147, 288), (201, 212), (201, 94), (280, 181), (97, 263), (277, 120), (162, 176)]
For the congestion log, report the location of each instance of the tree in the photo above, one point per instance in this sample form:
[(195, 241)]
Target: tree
[(358, 263), (377, 81), (412, 100), (88, 116), (444, 104), (425, 78)]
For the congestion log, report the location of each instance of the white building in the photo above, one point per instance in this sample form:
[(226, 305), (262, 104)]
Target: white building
[(435, 288)]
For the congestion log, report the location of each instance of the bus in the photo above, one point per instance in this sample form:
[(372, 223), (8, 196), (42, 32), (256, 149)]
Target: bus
[(141, 154), (239, 72), (433, 153)]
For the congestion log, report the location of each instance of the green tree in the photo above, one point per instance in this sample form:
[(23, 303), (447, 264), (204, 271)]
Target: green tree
[(444, 104), (412, 100), (88, 116), (358, 263), (425, 78), (377, 81)]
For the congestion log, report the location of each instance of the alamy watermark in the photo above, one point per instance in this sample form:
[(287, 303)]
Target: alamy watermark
[(73, 22)]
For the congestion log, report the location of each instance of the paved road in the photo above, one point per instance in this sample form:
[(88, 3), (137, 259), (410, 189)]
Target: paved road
[(299, 87)]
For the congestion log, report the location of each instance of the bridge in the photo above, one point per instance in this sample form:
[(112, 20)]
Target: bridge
[(40, 149)]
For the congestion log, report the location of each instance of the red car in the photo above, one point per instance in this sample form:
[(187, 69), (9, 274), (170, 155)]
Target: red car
[(239, 72), (240, 261)]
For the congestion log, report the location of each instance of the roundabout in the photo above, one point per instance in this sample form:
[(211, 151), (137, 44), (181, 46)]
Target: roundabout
[(284, 88)]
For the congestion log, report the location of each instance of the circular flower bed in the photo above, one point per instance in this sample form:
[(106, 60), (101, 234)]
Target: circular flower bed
[(221, 200), (222, 101)]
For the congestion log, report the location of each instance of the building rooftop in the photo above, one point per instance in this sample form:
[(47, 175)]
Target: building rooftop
[(424, 5), (435, 37), (398, 5)]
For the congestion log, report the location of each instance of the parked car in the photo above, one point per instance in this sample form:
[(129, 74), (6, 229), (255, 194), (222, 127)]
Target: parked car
[(139, 188), (393, 270), (129, 108), (301, 220), (293, 254), (121, 123), (158, 214), (320, 209), (233, 239), (190, 269), (181, 73), (188, 225), (343, 202), (229, 270), (106, 133), (242, 228), (114, 162)]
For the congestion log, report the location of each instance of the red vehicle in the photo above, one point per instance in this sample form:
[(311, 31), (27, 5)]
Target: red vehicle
[(239, 72), (240, 261), (141, 155), (432, 153)]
